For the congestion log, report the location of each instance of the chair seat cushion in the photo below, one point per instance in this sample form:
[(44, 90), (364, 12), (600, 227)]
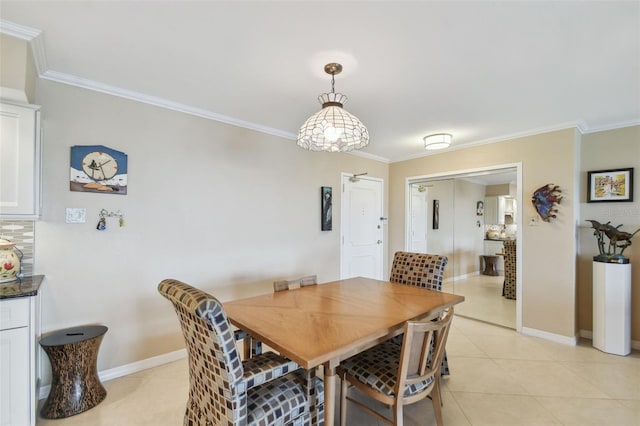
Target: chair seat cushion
[(282, 400), (263, 368), (378, 368), (444, 370)]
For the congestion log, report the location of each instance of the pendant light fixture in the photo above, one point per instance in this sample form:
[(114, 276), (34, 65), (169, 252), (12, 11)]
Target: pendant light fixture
[(332, 128)]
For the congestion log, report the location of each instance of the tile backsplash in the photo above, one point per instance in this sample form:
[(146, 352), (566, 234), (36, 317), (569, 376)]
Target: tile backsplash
[(22, 233)]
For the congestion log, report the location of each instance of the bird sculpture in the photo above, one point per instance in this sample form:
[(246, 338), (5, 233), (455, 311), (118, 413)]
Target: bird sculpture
[(617, 239)]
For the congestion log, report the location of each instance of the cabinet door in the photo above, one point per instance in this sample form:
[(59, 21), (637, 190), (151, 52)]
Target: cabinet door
[(19, 161), (15, 407), (501, 206)]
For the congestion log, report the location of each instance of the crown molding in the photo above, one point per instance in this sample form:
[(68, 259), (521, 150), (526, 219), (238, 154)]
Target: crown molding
[(96, 86), (615, 126), (33, 36), (18, 31), (370, 156), (160, 102)]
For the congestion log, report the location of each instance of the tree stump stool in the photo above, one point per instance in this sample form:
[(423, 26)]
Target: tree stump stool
[(75, 386)]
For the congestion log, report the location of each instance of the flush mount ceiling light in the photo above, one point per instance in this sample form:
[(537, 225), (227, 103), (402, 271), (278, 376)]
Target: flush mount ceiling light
[(437, 141), (332, 128)]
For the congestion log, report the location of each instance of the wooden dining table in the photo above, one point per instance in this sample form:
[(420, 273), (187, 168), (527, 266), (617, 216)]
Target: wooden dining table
[(327, 323)]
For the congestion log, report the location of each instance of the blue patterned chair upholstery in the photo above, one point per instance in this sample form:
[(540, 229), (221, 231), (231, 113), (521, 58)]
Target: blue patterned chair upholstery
[(399, 375), (266, 389), (420, 270)]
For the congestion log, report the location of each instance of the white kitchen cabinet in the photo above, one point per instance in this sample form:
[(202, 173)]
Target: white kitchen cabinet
[(494, 210), (19, 331), (497, 208), (510, 210), (15, 409), (20, 158)]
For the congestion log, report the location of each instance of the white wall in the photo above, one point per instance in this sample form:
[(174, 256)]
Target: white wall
[(219, 207)]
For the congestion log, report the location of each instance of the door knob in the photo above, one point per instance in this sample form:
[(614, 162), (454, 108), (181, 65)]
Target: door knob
[(379, 242)]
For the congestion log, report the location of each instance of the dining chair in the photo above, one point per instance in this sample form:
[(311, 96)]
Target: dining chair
[(281, 285), (399, 375), (420, 270), (224, 390)]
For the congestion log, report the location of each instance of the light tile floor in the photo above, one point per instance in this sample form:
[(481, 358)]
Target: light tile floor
[(498, 377), (483, 299)]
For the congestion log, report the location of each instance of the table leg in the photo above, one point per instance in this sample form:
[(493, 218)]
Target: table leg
[(329, 394)]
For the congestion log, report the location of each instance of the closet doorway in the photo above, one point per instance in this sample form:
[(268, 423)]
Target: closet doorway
[(465, 216)]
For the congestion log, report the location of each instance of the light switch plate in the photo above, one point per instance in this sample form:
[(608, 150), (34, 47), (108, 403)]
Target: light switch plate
[(75, 215)]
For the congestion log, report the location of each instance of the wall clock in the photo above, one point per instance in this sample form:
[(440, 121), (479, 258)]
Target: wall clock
[(97, 168)]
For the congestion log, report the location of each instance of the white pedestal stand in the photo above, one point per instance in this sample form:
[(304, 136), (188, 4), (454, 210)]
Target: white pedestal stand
[(612, 307)]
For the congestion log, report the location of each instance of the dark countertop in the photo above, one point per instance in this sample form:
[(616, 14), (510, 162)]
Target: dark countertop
[(23, 287)]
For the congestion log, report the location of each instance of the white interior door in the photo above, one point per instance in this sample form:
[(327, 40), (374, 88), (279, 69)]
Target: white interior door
[(361, 228)]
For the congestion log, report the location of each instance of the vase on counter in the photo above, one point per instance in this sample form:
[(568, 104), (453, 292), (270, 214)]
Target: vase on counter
[(9, 261)]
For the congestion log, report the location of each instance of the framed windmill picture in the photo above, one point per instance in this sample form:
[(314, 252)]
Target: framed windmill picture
[(96, 168)]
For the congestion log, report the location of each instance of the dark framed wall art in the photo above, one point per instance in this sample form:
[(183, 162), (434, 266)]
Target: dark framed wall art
[(326, 211), (436, 214), (610, 185)]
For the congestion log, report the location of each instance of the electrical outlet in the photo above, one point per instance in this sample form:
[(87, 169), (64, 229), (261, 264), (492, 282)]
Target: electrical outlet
[(76, 215)]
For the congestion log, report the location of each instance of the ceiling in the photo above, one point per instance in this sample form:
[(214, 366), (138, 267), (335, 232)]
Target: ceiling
[(483, 71)]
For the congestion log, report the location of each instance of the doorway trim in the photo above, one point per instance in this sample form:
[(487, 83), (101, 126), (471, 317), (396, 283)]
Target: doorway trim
[(459, 173)]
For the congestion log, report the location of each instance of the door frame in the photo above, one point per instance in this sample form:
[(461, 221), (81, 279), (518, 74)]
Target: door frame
[(343, 221), (452, 174)]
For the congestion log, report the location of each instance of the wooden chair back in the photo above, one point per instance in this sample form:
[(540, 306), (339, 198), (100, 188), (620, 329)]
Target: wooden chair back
[(282, 285)]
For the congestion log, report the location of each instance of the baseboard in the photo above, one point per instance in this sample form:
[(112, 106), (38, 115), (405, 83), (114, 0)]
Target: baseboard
[(127, 369), (558, 338), (588, 334), (462, 277), (469, 275)]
